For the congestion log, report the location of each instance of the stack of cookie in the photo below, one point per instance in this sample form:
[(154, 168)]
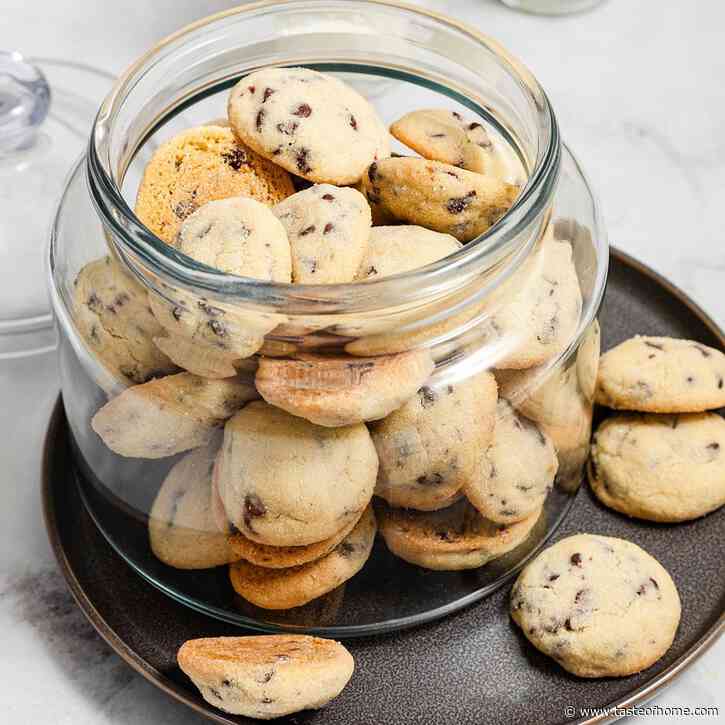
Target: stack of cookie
[(665, 459), (316, 421)]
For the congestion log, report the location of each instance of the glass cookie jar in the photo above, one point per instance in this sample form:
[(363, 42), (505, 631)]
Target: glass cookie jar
[(448, 407)]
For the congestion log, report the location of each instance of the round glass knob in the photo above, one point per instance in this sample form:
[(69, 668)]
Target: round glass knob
[(24, 100)]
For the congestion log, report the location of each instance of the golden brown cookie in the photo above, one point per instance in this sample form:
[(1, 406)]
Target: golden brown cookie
[(266, 676), (337, 390), (287, 482), (169, 415), (428, 449), (441, 135), (438, 196), (286, 588), (451, 539), (199, 165), (182, 531), (112, 314)]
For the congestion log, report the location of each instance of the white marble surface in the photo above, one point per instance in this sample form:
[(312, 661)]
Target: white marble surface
[(636, 91)]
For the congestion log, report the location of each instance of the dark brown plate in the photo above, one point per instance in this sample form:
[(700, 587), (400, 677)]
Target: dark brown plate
[(471, 667)]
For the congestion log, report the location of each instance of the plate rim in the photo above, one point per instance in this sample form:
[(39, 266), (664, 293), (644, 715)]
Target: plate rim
[(133, 659)]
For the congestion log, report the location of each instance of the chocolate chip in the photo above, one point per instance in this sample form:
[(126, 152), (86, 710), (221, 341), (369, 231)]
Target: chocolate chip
[(328, 228), (235, 158), (429, 479), (210, 310), (302, 163), (720, 383), (328, 197), (266, 677), (444, 535), (456, 115), (568, 626), (654, 345), (94, 302), (218, 328), (457, 204), (452, 173), (267, 700), (288, 127), (656, 585), (373, 172), (713, 446), (675, 421), (307, 230), (371, 270), (277, 151), (427, 396), (690, 379), (353, 122), (474, 125), (554, 577), (177, 312), (215, 693), (579, 595), (437, 135), (302, 111), (267, 93), (253, 509), (346, 549), (251, 89), (576, 559), (259, 120)]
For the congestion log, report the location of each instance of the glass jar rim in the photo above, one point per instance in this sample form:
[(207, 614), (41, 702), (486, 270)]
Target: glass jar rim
[(449, 273)]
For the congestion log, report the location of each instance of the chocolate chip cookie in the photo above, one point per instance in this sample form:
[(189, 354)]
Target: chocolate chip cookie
[(294, 587), (239, 236), (328, 230), (429, 447), (397, 249), (169, 415), (535, 314), (660, 467), (311, 124), (182, 531), (514, 475), (113, 317), (438, 196), (287, 482), (266, 676), (662, 375), (200, 165), (441, 135), (337, 390), (599, 606), (450, 539)]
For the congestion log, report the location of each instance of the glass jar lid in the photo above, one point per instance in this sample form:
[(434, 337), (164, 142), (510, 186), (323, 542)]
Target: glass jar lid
[(47, 107)]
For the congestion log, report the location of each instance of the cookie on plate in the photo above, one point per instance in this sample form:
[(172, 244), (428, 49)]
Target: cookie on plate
[(438, 196), (662, 375), (328, 230), (182, 530), (311, 124), (428, 448), (450, 539), (515, 473), (337, 390), (287, 482), (266, 676), (293, 587), (239, 236), (442, 135), (660, 467), (200, 165), (169, 415), (599, 606), (112, 314)]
